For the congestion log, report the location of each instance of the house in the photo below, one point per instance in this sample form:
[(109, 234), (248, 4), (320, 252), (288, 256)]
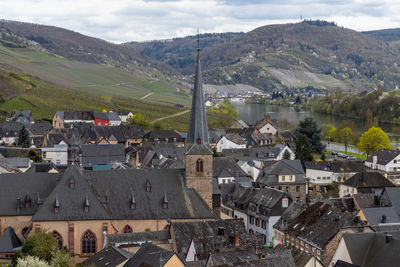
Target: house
[(260, 208), (9, 132), (39, 129), (369, 249), (92, 155), (57, 154), (215, 135), (64, 118), (239, 125), (152, 255), (230, 141), (380, 215), (288, 138), (260, 139), (317, 230), (266, 125), (21, 163), (9, 243), (276, 152), (384, 160), (288, 216), (226, 170), (162, 155), (106, 119), (163, 136), (261, 257), (124, 115), (287, 175), (390, 197), (108, 256), (364, 182), (251, 167), (22, 116), (326, 172), (133, 134), (194, 241)]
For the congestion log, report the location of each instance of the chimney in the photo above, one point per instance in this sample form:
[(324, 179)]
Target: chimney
[(221, 231), (18, 204), (237, 240), (388, 238), (383, 219), (374, 159)]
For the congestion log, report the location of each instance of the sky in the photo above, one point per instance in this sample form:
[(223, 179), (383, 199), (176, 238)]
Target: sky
[(140, 20)]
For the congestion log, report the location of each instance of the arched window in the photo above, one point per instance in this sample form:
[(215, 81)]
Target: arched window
[(128, 229), (59, 239), (199, 165), (88, 243)]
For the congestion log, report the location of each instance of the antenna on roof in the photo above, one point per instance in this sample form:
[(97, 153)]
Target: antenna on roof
[(198, 39)]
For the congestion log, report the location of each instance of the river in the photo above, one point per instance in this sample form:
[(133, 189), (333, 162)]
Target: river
[(254, 112)]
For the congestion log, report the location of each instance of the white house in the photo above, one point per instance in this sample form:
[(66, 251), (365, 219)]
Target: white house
[(57, 154), (266, 125), (364, 182), (250, 168), (384, 160), (124, 115), (230, 141)]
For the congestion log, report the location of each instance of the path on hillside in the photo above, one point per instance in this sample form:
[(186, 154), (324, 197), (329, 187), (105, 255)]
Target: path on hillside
[(171, 116), (146, 96)]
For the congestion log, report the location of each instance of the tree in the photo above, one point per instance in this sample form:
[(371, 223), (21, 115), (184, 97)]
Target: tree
[(309, 128), (345, 135), (373, 140), (333, 134), (325, 130), (226, 114), (23, 137), (303, 149), (31, 261), (286, 155), (41, 244), (62, 258), (139, 119)]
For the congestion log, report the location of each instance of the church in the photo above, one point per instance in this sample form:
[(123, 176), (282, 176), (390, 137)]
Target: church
[(80, 206)]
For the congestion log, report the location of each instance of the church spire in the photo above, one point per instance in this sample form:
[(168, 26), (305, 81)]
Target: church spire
[(198, 130)]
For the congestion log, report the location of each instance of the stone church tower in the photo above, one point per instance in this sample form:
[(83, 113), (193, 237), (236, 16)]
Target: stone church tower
[(198, 156)]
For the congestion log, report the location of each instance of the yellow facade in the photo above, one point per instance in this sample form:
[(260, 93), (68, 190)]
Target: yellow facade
[(174, 261), (288, 178)]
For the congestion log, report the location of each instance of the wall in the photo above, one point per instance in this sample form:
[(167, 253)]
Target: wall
[(345, 190), (268, 128), (314, 174), (227, 144), (174, 261)]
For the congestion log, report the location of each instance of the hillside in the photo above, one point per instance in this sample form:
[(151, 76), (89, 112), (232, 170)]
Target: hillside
[(316, 53), (387, 35)]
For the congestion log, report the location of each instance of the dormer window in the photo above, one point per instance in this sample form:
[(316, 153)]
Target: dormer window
[(199, 141), (72, 183), (28, 200), (148, 186), (132, 202), (165, 202), (56, 205), (86, 205)]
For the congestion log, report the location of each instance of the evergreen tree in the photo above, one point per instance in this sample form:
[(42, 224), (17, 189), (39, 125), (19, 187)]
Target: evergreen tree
[(309, 128), (23, 137), (303, 149), (286, 155)]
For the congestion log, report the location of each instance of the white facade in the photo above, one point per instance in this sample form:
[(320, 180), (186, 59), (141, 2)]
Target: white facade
[(225, 180), (115, 122), (253, 171), (346, 190), (392, 166), (9, 140), (224, 143), (341, 253), (191, 254), (286, 148), (124, 118), (319, 177), (57, 154), (268, 128)]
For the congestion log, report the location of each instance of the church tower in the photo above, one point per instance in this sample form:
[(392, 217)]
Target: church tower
[(73, 151), (198, 156)]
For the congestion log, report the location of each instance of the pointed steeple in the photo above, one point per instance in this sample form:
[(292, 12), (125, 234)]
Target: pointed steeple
[(198, 130)]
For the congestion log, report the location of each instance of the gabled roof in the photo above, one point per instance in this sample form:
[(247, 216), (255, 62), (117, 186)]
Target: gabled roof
[(374, 215), (39, 128), (196, 149), (368, 180), (235, 138), (226, 167), (19, 162), (10, 129), (77, 115), (367, 200), (384, 156), (102, 154), (150, 255), (339, 166), (270, 173), (132, 131), (372, 249), (5, 164), (161, 134), (288, 216), (108, 256), (393, 197), (9, 241)]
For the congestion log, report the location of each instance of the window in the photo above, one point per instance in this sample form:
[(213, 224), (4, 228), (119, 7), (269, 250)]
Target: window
[(290, 177), (318, 178), (199, 165), (251, 231), (285, 202), (283, 178), (251, 220), (127, 229), (57, 236), (263, 224), (257, 222), (297, 188), (88, 243)]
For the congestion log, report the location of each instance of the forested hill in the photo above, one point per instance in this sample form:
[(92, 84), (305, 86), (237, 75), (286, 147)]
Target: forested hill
[(313, 53), (387, 35)]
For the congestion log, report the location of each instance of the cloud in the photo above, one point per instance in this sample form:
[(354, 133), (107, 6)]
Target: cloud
[(138, 20)]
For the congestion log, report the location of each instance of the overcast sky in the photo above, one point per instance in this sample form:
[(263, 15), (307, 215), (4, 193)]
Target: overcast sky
[(139, 20)]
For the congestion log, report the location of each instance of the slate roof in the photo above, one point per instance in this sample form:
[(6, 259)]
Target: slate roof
[(317, 224), (162, 134), (77, 115), (216, 134), (149, 255), (19, 162), (9, 241), (15, 186), (198, 120), (39, 128), (195, 149), (266, 153), (374, 215), (108, 256), (393, 197), (263, 257), (339, 166), (5, 164), (10, 129), (260, 137), (227, 167), (184, 232), (163, 155), (270, 173), (126, 239), (109, 193), (368, 180), (102, 154), (110, 116), (288, 216), (367, 200), (384, 156), (267, 119), (235, 138), (132, 131), (371, 249)]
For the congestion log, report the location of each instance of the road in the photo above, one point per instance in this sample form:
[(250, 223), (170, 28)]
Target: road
[(171, 116), (146, 96), (340, 147)]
